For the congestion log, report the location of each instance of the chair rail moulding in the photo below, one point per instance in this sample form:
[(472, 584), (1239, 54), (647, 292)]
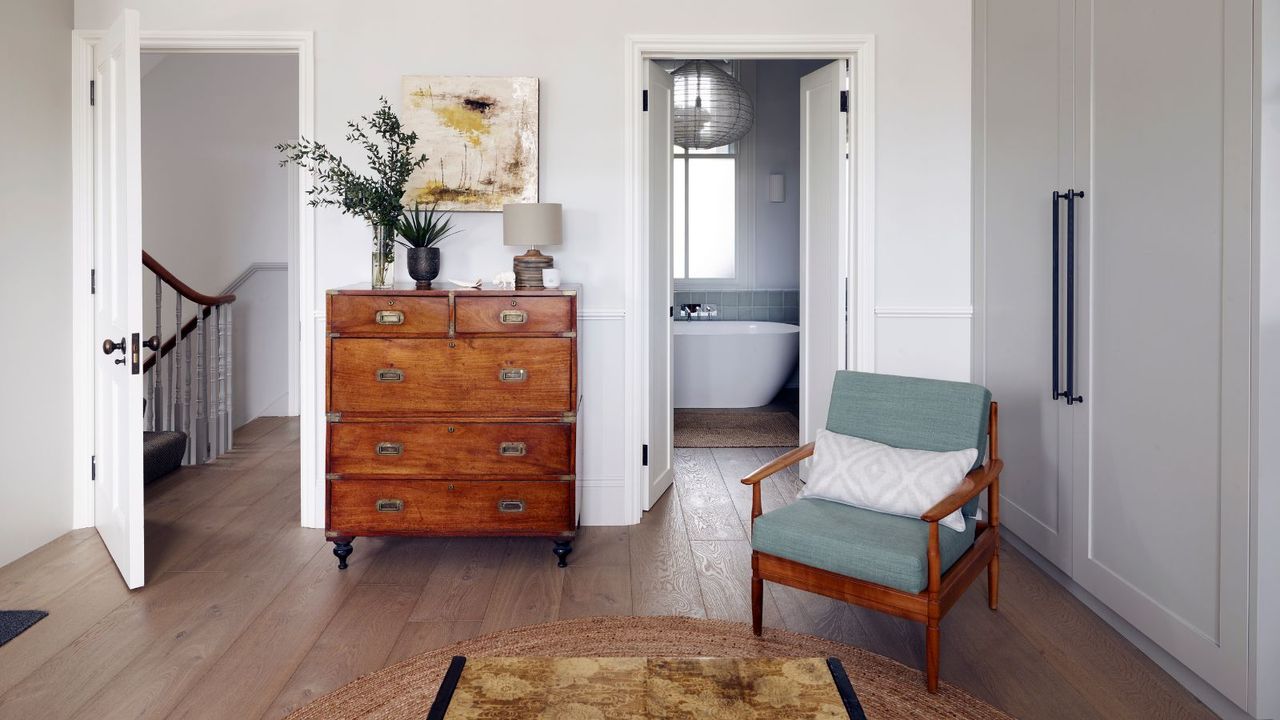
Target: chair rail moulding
[(299, 43), (859, 49)]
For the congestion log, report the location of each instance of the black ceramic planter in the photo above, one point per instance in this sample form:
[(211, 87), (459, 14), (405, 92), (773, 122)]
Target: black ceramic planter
[(424, 265)]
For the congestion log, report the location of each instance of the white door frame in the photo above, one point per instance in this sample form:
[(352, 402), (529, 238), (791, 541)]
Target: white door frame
[(860, 51), (301, 260)]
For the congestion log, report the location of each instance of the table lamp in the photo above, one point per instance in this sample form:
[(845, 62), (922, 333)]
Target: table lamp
[(530, 225)]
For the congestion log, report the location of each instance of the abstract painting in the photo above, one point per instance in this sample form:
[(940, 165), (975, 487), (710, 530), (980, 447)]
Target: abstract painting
[(481, 135)]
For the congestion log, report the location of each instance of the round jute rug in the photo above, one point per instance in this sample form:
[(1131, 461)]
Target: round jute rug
[(887, 689)]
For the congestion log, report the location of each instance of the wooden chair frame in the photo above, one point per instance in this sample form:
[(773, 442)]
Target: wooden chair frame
[(944, 589)]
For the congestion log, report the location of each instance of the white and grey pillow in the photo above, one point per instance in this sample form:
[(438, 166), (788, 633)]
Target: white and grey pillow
[(886, 479)]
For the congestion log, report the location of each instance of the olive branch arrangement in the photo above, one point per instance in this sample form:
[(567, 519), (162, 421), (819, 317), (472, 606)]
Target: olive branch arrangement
[(378, 198)]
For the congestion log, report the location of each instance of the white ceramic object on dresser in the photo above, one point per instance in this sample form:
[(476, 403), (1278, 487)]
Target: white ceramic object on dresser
[(732, 363)]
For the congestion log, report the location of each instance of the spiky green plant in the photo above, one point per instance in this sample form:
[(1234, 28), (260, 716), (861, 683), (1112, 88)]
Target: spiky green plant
[(424, 228), (377, 197)]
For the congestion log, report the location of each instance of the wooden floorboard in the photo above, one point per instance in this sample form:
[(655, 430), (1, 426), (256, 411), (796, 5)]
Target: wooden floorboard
[(245, 614)]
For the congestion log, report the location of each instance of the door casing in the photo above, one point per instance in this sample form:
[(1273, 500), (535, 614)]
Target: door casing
[(302, 257), (859, 50)]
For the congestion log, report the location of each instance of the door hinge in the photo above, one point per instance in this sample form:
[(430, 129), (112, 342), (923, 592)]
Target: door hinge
[(93, 467), (92, 95), (844, 101), (644, 101), (671, 311), (93, 281), (644, 455)]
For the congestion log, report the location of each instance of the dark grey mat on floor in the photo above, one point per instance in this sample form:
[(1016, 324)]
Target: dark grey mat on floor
[(13, 622), (162, 453)]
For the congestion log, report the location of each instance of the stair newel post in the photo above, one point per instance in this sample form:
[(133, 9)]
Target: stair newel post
[(200, 430), (181, 378), (230, 436)]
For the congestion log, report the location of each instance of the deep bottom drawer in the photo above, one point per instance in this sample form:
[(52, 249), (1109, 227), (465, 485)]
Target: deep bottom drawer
[(448, 507)]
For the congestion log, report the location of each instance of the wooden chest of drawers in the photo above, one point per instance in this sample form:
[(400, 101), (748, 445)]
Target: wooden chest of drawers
[(452, 412)]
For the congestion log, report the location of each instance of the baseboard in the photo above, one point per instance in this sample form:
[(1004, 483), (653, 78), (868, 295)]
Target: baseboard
[(1203, 691), (603, 502)]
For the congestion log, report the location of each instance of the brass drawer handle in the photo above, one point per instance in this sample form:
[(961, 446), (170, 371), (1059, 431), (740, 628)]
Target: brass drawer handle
[(389, 448), (390, 375), (510, 506), (513, 317), (513, 375), (389, 317), (512, 449), (390, 505)]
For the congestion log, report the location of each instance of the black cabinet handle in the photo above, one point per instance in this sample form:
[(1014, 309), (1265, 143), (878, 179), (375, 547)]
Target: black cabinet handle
[(1070, 393), (1057, 197)]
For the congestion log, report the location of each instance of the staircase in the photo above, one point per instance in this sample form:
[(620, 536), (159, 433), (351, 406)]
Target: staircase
[(187, 378)]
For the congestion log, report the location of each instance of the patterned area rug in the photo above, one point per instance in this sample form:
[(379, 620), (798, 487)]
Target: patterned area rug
[(735, 428), (888, 690)]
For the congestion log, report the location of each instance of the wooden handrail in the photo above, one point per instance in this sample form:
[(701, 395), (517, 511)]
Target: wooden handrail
[(183, 289), (169, 344)]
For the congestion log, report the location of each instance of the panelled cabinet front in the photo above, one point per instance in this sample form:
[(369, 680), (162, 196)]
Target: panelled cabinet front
[(1117, 317), (452, 413)]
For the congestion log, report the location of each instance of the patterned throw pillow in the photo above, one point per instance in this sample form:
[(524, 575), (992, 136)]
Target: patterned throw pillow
[(886, 479)]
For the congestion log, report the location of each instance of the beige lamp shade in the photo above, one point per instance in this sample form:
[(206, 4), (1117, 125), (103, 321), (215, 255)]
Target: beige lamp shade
[(530, 224)]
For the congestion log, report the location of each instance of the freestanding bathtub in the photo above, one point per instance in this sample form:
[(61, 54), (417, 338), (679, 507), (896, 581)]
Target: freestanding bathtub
[(732, 363)]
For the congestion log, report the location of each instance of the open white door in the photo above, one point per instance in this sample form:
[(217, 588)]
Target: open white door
[(659, 139), (117, 243), (822, 235)]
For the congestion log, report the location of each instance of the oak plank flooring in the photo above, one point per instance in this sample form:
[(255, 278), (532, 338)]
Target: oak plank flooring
[(245, 615)]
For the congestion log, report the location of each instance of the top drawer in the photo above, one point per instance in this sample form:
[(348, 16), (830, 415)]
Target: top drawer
[(513, 314), (383, 314)]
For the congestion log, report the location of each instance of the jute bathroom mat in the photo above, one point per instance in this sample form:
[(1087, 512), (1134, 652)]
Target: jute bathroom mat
[(735, 428), (888, 690)]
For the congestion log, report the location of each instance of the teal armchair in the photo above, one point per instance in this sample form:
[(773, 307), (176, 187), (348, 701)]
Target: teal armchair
[(908, 567)]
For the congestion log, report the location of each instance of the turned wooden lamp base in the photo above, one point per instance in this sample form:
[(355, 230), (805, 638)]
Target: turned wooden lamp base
[(528, 269)]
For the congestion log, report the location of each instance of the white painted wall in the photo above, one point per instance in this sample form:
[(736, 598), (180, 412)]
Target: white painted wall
[(923, 139), (35, 281), (216, 201), (1266, 510), (777, 150)]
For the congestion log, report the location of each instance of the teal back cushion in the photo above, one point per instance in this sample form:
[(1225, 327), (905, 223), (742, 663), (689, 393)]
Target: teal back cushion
[(915, 413)]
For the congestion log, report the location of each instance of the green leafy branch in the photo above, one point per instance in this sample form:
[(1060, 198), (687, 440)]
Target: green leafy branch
[(377, 198)]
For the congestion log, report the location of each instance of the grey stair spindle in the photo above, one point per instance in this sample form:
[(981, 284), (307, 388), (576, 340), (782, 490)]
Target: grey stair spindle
[(200, 430), (220, 432), (230, 388), (157, 397)]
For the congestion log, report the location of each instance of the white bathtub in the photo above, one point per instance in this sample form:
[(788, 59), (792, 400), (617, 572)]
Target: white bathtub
[(732, 363)]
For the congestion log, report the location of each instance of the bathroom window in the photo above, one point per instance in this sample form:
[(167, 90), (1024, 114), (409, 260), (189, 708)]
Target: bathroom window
[(704, 210)]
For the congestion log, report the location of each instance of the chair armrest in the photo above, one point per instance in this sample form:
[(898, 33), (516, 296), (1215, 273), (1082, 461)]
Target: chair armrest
[(784, 460), (975, 482)]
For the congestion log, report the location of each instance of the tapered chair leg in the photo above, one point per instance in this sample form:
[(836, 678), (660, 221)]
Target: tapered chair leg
[(931, 640), (757, 604), (993, 580)]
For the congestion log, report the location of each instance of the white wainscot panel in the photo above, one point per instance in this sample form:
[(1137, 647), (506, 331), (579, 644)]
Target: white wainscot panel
[(924, 342), (600, 429)]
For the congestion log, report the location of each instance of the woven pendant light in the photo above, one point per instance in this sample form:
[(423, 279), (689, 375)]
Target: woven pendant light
[(712, 109)]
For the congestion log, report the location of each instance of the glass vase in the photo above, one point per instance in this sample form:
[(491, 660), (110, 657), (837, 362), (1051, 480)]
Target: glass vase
[(384, 255)]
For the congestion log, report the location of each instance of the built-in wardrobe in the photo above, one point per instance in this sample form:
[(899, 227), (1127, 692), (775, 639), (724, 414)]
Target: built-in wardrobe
[(1113, 188)]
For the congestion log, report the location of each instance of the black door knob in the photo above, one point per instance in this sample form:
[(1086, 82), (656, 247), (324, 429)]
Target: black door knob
[(152, 343), (109, 346)]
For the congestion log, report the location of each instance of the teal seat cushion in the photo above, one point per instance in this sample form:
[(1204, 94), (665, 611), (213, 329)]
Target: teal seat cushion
[(914, 413), (884, 549)]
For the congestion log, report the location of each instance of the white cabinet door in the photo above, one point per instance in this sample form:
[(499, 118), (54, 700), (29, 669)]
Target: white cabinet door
[(1027, 72), (1162, 509)]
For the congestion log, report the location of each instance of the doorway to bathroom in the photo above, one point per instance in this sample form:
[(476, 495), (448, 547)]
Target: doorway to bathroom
[(750, 274), (735, 249)]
